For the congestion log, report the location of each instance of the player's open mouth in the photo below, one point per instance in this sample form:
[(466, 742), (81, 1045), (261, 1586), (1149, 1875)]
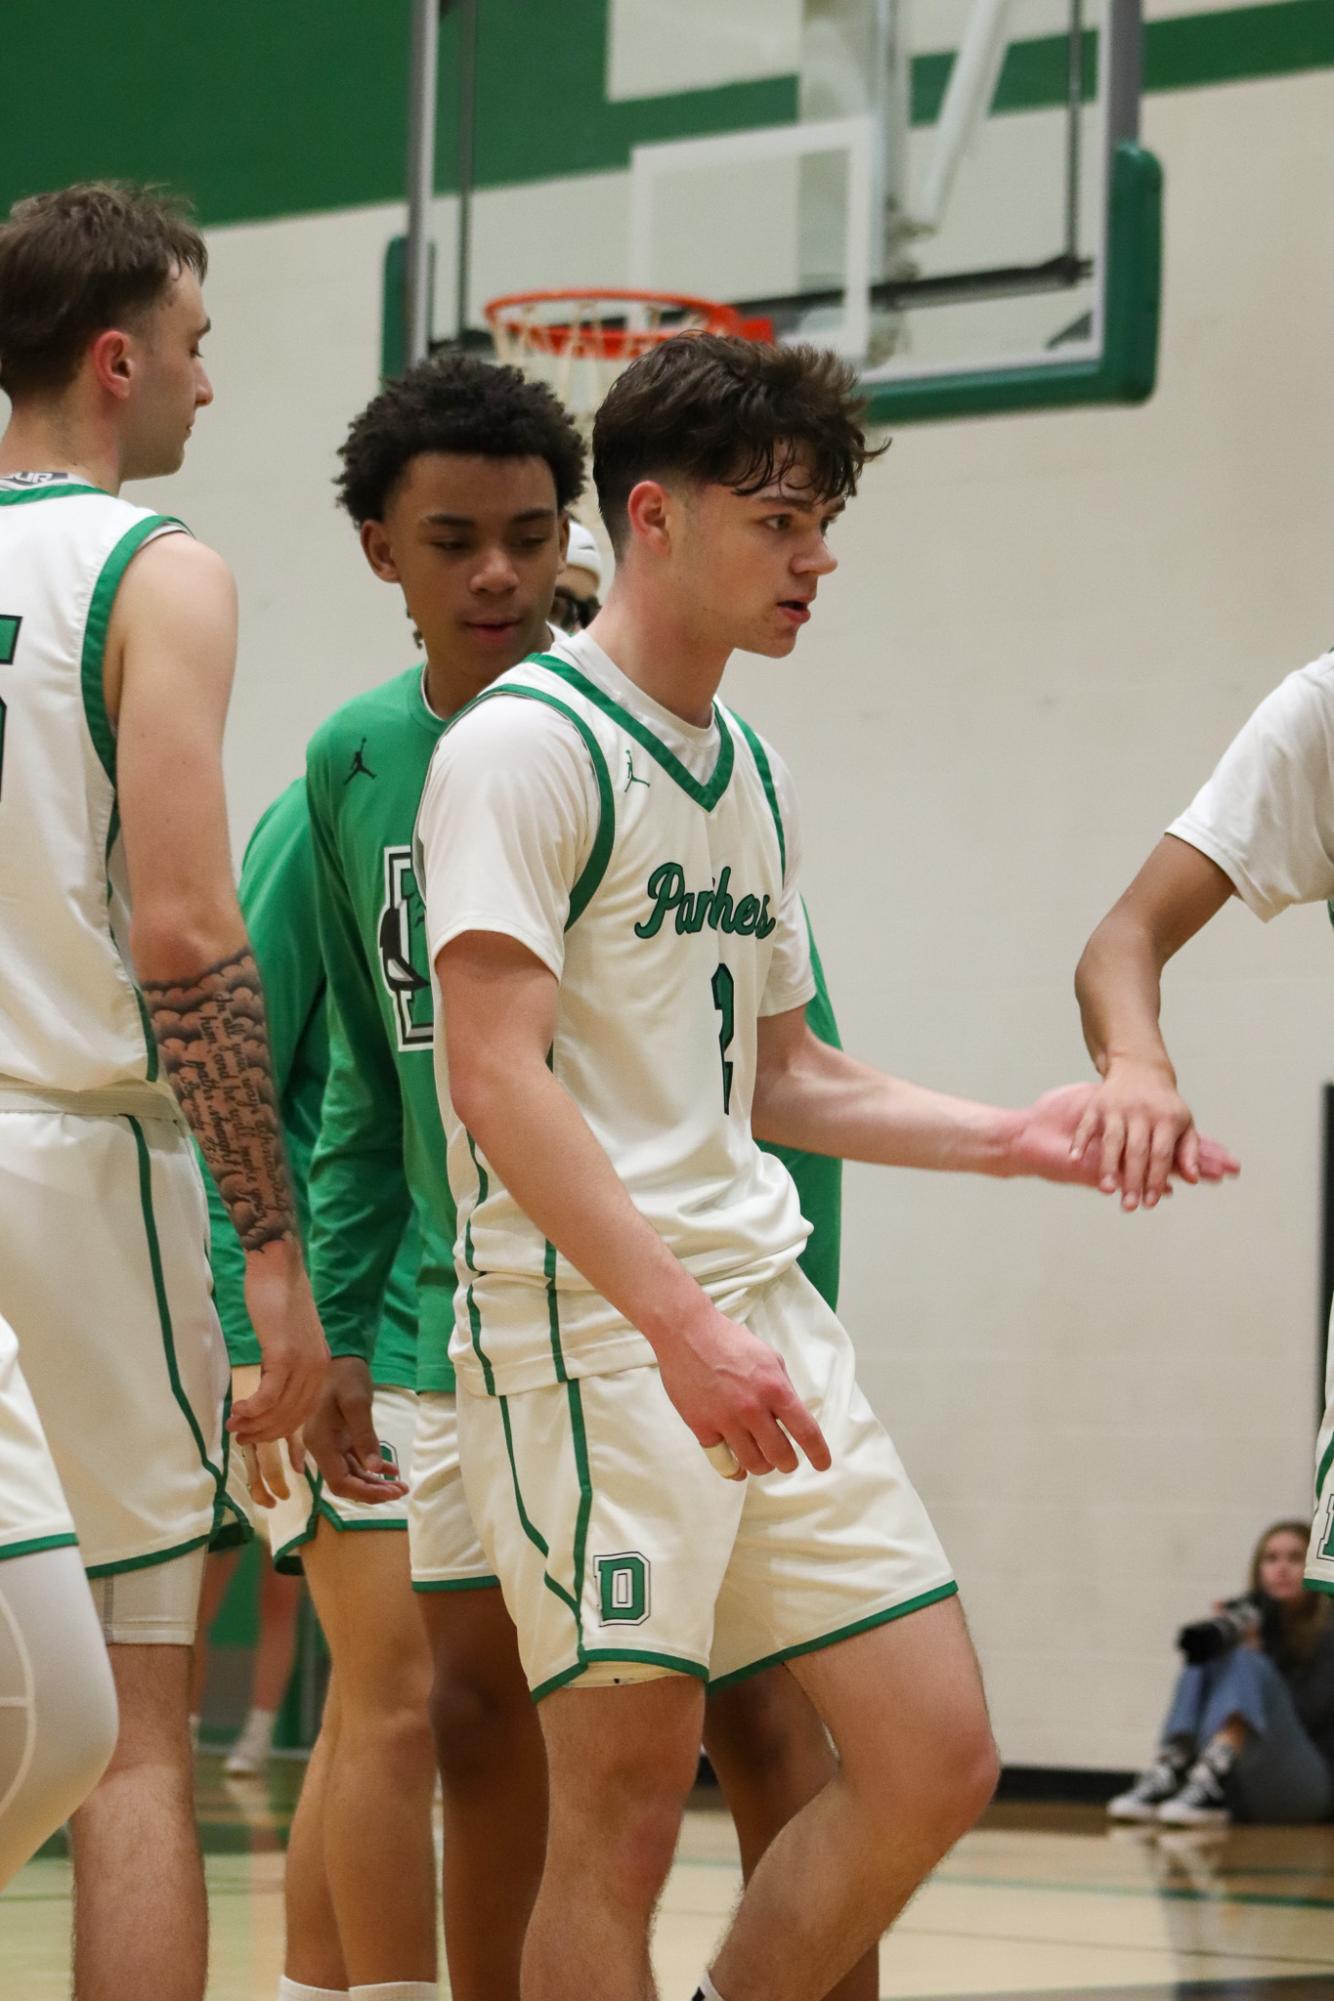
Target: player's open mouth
[(797, 609)]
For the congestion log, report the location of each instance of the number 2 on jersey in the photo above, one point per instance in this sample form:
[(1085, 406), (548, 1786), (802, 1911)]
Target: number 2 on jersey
[(724, 999), (9, 639)]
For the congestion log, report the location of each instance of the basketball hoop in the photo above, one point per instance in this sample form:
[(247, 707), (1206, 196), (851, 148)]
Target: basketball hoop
[(578, 339)]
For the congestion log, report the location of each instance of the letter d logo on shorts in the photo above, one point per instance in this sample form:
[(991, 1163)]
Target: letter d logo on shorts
[(623, 1588)]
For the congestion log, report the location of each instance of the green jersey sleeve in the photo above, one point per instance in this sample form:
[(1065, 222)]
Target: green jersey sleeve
[(819, 1178), (276, 894), (358, 1189)]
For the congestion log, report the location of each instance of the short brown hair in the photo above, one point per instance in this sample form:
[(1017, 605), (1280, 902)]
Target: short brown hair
[(720, 410), (77, 261)]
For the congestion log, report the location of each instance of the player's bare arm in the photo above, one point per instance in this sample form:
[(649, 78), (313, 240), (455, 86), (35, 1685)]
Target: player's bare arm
[(822, 1100), (170, 652), (1137, 1128), (500, 1007)]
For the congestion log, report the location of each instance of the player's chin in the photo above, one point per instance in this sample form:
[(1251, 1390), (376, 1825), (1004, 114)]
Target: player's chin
[(773, 642)]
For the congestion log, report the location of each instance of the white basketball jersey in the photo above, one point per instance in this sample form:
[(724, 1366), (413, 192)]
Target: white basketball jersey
[(71, 1016), (668, 945)]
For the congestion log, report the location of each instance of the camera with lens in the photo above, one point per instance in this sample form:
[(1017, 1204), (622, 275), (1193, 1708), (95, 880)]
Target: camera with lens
[(1208, 1639)]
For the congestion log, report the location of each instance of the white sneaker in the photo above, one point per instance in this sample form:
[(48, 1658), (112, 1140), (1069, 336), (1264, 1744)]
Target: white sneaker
[(1201, 1802), (253, 1748), (1147, 1795)]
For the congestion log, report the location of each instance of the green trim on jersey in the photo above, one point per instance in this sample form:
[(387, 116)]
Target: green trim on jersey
[(168, 1335), (91, 669), (98, 620), (590, 876), (553, 1310), (1323, 1469), (22, 497), (474, 1313), (704, 793), (770, 790), (884, 1618), (65, 1540)]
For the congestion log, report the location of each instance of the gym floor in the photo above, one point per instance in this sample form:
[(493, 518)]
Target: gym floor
[(1039, 1901)]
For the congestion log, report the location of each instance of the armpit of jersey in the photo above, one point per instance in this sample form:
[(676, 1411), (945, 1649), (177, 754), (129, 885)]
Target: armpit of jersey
[(507, 822)]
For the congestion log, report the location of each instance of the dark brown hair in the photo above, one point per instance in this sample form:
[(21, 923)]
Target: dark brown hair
[(456, 403), (1300, 1624), (77, 261), (719, 410)]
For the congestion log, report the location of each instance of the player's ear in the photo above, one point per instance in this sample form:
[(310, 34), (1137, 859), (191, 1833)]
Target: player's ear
[(109, 359), (648, 511), (563, 537), (378, 550)]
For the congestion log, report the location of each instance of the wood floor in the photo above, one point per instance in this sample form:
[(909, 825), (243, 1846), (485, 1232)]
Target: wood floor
[(1038, 1902)]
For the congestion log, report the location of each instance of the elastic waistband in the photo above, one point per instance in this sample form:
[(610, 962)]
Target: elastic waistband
[(134, 1101)]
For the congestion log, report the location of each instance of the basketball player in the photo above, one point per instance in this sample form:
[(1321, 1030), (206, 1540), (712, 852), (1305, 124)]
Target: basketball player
[(121, 635), (610, 866), (459, 477), (374, 1732), (1262, 829)]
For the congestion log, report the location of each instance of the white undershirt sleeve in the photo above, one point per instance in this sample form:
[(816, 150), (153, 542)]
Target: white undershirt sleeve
[(507, 821), (1266, 816)]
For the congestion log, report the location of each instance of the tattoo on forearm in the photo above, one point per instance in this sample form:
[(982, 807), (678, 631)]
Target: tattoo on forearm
[(215, 1049)]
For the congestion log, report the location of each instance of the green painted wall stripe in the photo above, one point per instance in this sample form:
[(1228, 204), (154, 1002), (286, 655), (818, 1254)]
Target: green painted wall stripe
[(321, 99)]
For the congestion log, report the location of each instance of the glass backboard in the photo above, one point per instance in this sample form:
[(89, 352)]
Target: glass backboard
[(951, 193)]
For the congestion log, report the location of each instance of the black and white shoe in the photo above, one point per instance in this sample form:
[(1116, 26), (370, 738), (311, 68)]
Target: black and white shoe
[(1142, 1802), (1201, 1802)]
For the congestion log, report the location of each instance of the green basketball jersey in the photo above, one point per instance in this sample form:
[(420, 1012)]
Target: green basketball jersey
[(277, 892), (381, 1148)]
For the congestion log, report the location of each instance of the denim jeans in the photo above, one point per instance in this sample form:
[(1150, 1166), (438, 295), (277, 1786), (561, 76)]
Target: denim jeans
[(1280, 1776)]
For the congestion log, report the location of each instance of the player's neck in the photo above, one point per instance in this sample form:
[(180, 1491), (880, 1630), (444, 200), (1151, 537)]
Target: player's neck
[(47, 438), (451, 685), (659, 647)]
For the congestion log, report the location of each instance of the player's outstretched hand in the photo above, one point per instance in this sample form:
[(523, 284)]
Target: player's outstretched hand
[(1115, 1143), (341, 1437), (294, 1352), (732, 1389)]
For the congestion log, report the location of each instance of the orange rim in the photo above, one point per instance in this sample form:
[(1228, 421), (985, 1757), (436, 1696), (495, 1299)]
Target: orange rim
[(513, 318)]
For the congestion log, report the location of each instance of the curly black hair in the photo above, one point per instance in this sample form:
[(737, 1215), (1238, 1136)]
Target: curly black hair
[(721, 410), (456, 403)]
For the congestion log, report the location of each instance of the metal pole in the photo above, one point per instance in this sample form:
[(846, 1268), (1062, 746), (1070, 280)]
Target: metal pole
[(1124, 56), (421, 176), (467, 130), (1074, 112)]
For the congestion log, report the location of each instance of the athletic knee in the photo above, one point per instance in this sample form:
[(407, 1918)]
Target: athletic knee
[(476, 1719), (766, 1732)]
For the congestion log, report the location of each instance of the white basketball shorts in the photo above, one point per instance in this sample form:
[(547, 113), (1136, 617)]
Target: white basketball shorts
[(623, 1554), (104, 1270), (33, 1511), (445, 1549), (290, 1524)]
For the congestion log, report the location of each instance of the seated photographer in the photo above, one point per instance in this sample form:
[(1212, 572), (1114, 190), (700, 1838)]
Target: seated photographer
[(1250, 1730)]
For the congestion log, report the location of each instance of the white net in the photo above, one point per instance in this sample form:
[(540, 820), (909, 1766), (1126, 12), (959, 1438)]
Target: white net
[(578, 342)]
